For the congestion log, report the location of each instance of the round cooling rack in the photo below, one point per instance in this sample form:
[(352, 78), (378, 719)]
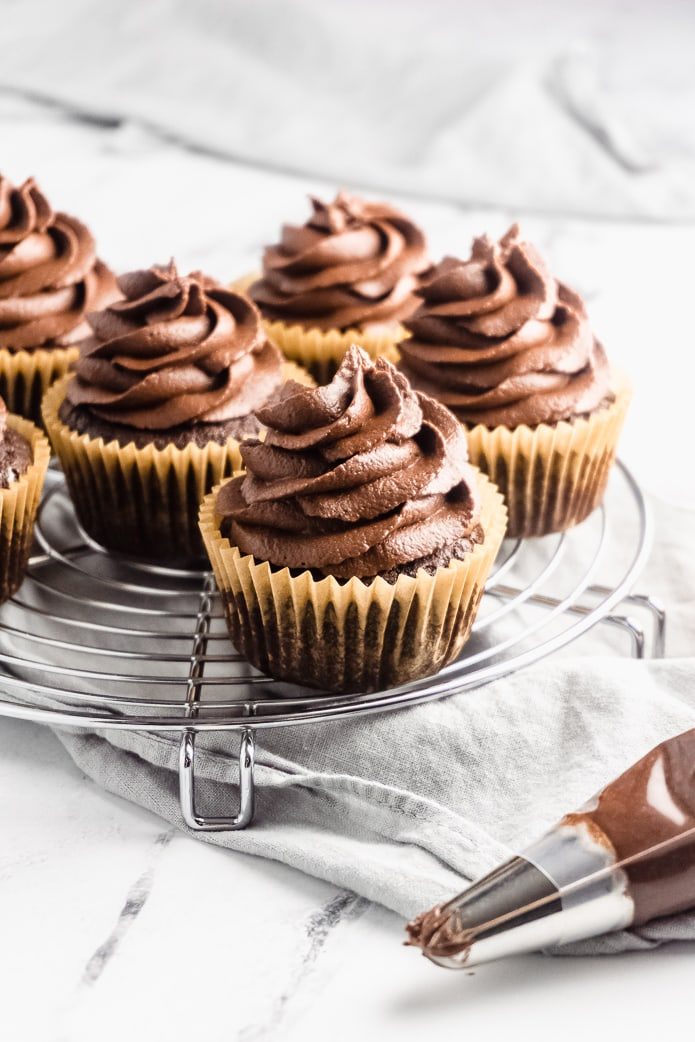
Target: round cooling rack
[(95, 641)]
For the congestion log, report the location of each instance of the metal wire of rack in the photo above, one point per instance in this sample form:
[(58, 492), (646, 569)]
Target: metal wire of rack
[(99, 642)]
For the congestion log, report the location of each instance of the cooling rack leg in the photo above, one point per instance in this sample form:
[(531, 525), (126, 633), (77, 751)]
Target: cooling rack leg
[(626, 622), (187, 786), (654, 605), (657, 611)]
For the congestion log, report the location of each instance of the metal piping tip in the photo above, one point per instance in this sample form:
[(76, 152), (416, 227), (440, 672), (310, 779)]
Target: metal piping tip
[(534, 901), (488, 921)]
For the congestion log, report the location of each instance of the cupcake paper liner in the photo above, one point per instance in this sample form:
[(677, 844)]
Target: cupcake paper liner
[(25, 376), (18, 507), (321, 351), (141, 502), (552, 476), (352, 636)]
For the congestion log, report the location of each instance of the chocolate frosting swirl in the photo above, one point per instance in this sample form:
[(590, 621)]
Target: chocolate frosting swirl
[(354, 478), (49, 273), (354, 263), (177, 350), (499, 341)]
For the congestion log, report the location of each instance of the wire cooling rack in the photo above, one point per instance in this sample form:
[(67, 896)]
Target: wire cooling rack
[(95, 641)]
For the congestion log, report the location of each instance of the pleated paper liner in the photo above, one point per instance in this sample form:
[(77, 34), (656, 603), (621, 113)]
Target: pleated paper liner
[(352, 636), (18, 506), (141, 502), (321, 351), (26, 375), (241, 285), (552, 476)]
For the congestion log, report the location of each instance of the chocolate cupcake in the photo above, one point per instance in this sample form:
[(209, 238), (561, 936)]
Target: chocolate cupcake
[(511, 352), (163, 390), (353, 552), (50, 278), (346, 276), (24, 456)]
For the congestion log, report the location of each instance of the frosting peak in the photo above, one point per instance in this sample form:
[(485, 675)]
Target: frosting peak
[(500, 341), (176, 350), (22, 210), (353, 263), (354, 478), (49, 273)]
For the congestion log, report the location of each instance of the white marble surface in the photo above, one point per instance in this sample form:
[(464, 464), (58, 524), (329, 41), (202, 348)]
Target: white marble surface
[(115, 926)]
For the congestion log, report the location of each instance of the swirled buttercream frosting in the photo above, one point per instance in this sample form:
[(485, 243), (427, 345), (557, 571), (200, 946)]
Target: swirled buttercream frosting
[(50, 276), (500, 342), (353, 264), (356, 478), (177, 350)]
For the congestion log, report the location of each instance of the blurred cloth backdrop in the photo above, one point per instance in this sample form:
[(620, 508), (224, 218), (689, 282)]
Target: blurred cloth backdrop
[(551, 106)]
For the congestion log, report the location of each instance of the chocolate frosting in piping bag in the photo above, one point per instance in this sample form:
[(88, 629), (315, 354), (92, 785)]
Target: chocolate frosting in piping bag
[(651, 803), (500, 342), (624, 859), (354, 263), (50, 276), (176, 350), (354, 478)]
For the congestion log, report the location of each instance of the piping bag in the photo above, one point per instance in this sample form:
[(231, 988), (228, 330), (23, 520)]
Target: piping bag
[(626, 857)]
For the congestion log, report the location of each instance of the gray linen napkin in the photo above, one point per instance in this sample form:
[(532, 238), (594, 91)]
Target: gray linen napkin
[(406, 808)]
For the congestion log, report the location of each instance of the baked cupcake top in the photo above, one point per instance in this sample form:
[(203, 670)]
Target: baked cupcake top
[(16, 454), (501, 342), (49, 272), (354, 263), (177, 350), (356, 478)]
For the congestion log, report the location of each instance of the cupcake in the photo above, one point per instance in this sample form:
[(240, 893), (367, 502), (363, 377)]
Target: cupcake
[(163, 390), (352, 554), (511, 352), (50, 278), (24, 456), (346, 276)]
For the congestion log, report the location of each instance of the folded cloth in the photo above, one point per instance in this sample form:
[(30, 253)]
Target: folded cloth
[(405, 808), (542, 107)]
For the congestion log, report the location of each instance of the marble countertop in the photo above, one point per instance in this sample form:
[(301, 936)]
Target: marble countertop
[(115, 925)]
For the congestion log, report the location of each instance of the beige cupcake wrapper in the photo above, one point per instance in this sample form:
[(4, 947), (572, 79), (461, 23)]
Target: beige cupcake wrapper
[(353, 636), (321, 351), (141, 502), (18, 506), (26, 375), (552, 476), (242, 284)]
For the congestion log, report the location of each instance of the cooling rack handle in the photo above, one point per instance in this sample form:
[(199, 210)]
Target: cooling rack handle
[(198, 822)]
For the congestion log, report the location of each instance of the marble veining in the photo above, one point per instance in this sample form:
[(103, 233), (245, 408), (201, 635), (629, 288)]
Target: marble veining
[(134, 904), (344, 907)]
